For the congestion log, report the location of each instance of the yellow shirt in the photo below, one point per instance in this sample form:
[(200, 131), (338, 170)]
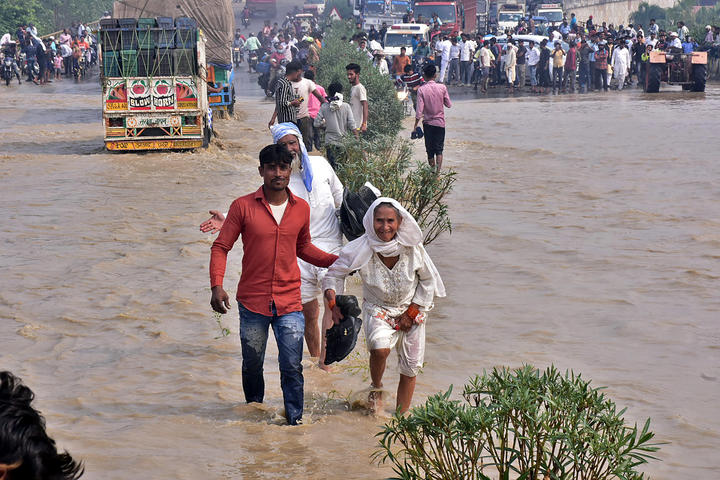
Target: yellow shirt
[(558, 56)]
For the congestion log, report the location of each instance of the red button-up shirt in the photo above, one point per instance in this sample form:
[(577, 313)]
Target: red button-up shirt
[(270, 272)]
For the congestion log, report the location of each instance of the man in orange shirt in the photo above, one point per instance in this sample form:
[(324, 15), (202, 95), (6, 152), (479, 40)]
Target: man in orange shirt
[(275, 229), (399, 63)]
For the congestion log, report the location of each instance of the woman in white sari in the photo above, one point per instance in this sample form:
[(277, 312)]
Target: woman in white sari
[(400, 283)]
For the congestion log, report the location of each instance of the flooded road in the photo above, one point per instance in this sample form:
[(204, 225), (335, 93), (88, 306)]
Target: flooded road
[(586, 234)]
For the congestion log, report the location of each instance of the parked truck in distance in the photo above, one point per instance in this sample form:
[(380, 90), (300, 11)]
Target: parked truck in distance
[(450, 13), (553, 12), (262, 8), (509, 15)]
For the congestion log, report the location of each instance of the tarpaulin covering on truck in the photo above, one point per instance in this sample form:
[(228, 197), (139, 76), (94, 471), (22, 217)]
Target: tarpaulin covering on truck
[(215, 17)]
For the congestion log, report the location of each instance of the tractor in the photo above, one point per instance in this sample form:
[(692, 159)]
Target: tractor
[(676, 68)]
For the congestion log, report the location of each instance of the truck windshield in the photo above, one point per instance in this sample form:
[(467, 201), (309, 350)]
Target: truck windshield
[(398, 39), (375, 8), (510, 17), (446, 13), (399, 7), (552, 16)]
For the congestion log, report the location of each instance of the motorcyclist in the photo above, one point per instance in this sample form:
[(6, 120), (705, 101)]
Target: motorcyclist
[(30, 51), (9, 50), (246, 16), (238, 44)]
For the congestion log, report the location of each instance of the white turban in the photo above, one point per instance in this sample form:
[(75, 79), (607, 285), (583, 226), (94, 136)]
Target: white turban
[(282, 129)]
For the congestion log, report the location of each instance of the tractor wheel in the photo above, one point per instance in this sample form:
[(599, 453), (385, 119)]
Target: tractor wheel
[(654, 77), (699, 78)]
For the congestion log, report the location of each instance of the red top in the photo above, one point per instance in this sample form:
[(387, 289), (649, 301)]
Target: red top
[(270, 271)]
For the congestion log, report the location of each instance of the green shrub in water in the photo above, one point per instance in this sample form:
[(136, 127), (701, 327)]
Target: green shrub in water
[(385, 112), (386, 162), (522, 424)]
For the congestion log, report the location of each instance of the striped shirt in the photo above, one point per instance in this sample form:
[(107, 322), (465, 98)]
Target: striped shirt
[(283, 96)]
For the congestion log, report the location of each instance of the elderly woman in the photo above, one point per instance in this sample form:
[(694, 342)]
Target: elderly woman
[(399, 285)]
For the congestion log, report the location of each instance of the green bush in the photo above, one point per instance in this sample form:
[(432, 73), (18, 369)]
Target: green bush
[(523, 422), (386, 162), (385, 112)]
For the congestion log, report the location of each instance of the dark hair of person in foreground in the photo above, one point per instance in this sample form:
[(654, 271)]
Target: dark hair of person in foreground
[(26, 450)]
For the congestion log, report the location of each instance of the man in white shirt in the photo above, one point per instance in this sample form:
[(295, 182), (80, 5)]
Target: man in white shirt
[(324, 198), (620, 63), (533, 57), (674, 41), (444, 58), (358, 97), (455, 51), (466, 59), (302, 89)]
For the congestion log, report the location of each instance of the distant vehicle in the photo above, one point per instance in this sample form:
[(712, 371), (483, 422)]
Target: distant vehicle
[(262, 8), (553, 12), (450, 13), (686, 69), (316, 7), (306, 21), (401, 35), (509, 15)]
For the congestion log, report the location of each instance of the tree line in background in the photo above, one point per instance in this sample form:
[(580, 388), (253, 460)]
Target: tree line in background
[(49, 15), (683, 11)]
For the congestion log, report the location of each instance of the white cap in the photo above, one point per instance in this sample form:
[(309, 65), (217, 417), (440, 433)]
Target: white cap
[(707, 27), (673, 34)]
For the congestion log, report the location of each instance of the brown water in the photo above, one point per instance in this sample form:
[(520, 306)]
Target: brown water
[(586, 234)]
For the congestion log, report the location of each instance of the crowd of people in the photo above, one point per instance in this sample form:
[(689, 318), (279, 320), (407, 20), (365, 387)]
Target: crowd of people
[(42, 60)]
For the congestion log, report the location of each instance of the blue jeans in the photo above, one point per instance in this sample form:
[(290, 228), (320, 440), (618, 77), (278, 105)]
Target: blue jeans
[(288, 330), (533, 75)]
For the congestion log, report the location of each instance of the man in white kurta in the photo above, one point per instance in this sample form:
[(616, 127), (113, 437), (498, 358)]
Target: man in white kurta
[(621, 64)]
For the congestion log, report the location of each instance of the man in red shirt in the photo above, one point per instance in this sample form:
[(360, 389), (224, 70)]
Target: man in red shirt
[(275, 229)]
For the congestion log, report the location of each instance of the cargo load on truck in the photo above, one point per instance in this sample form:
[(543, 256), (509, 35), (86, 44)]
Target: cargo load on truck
[(216, 20)]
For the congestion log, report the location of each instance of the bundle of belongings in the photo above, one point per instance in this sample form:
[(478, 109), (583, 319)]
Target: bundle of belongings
[(341, 338), (353, 210)]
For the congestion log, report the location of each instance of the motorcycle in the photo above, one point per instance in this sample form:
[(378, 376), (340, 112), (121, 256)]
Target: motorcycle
[(9, 69), (246, 21), (252, 61), (270, 73), (237, 56)]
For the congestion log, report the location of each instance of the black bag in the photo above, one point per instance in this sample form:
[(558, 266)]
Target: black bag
[(353, 209), (341, 338)]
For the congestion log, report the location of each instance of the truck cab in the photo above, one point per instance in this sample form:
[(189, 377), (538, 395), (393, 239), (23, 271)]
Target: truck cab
[(509, 15), (450, 13), (553, 12), (316, 7)]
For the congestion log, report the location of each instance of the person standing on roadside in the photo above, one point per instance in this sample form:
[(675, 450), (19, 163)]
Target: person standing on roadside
[(520, 59), (601, 66), (558, 59), (304, 89), (286, 102), (543, 67), (570, 72), (336, 118), (486, 58), (275, 229), (358, 97), (533, 57), (431, 100), (621, 63), (314, 106)]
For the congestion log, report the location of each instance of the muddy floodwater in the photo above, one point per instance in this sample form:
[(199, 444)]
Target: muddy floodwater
[(586, 235)]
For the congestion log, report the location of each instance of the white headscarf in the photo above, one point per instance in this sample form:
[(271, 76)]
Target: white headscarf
[(409, 234)]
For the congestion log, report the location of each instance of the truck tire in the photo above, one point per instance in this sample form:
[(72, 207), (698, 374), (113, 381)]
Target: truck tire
[(699, 78), (654, 77), (207, 135), (231, 107)]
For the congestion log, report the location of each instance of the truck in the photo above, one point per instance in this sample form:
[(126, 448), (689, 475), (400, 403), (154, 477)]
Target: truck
[(509, 15), (316, 7), (553, 12), (154, 73), (377, 12), (262, 8), (450, 12), (688, 70)]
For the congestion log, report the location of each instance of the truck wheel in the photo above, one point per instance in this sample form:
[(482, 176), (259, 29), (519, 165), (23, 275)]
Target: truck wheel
[(207, 135), (654, 77), (699, 78), (231, 107)]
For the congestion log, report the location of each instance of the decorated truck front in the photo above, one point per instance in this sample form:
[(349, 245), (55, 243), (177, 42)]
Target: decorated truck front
[(154, 88)]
